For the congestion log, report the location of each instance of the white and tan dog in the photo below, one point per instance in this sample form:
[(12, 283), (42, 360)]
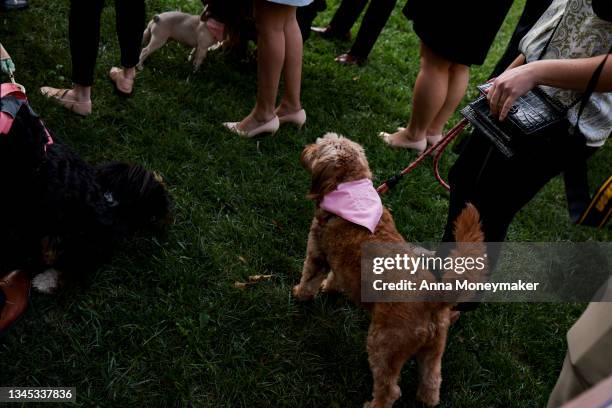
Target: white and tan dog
[(185, 28)]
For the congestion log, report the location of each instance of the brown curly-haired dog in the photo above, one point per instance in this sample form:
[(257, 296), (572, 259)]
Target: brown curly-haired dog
[(397, 331)]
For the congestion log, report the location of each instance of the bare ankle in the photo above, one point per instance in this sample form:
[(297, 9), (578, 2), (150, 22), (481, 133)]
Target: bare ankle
[(289, 107), (434, 132), (412, 134), (262, 116), (129, 73), (82, 93)]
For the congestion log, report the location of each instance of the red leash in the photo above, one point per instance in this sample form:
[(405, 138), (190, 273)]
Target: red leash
[(438, 148)]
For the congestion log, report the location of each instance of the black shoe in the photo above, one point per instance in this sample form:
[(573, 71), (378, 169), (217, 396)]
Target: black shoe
[(349, 59), (10, 5)]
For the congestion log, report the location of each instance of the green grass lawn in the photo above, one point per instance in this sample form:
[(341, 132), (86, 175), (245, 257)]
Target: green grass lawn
[(162, 325)]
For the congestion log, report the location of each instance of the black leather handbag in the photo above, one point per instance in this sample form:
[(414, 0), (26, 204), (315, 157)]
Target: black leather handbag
[(533, 115)]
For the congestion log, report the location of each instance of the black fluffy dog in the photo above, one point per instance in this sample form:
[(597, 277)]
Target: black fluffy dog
[(61, 217)]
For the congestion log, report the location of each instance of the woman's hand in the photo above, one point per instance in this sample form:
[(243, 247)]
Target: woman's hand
[(7, 66), (509, 86)]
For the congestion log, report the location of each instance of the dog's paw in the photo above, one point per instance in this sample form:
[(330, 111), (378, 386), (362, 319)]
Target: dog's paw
[(385, 400), (297, 293), (140, 67), (215, 46), (47, 282), (330, 285), (429, 396)]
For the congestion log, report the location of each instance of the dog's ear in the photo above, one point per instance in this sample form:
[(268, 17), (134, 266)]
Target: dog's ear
[(324, 178), (306, 158)]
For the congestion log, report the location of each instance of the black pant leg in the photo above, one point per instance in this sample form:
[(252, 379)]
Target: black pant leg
[(306, 15), (374, 21), (499, 186), (84, 35), (346, 15), (531, 14), (472, 180), (130, 16)]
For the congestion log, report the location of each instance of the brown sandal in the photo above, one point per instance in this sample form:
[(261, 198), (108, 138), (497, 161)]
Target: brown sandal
[(59, 96)]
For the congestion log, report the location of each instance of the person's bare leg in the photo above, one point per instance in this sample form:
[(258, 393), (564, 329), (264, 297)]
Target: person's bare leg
[(429, 94), (457, 84), (270, 19), (293, 67)]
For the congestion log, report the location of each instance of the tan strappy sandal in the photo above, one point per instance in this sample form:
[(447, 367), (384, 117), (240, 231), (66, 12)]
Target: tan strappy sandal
[(59, 96)]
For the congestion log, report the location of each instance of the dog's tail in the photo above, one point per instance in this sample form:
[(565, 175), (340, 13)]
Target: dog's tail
[(469, 252), (467, 226), (139, 197)]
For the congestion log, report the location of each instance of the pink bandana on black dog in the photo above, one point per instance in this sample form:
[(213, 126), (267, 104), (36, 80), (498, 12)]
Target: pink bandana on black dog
[(355, 201)]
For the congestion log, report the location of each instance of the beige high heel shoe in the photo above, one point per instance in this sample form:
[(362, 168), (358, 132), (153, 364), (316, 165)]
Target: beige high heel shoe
[(434, 140), (269, 127), (418, 145), (297, 118)]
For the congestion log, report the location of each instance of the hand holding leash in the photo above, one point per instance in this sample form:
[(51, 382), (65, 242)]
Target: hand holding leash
[(8, 67), (6, 63)]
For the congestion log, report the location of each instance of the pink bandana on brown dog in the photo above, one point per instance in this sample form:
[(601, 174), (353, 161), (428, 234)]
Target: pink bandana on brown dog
[(355, 201)]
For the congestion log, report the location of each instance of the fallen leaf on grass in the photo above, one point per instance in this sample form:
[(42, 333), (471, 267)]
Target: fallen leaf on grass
[(253, 279), (277, 225), (259, 278)]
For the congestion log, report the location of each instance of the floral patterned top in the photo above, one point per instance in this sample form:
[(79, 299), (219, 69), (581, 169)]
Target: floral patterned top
[(581, 34)]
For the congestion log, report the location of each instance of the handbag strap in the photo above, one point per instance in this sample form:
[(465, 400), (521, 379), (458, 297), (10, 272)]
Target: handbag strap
[(576, 178), (546, 46), (590, 88), (592, 84)]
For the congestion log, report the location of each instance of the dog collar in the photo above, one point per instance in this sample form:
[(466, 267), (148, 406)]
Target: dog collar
[(355, 201)]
